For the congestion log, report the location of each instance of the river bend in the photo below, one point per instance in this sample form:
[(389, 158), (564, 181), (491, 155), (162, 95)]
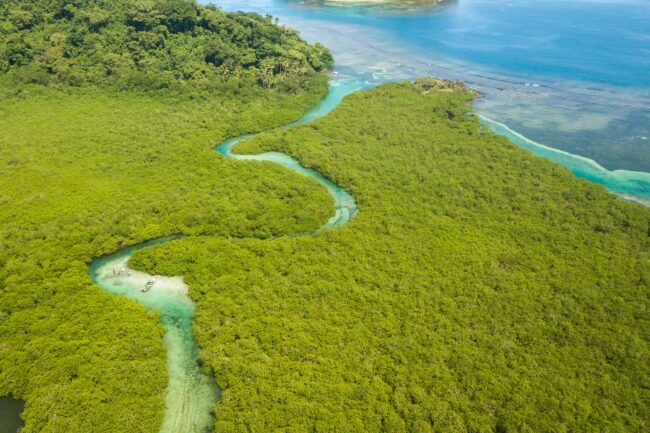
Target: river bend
[(191, 394)]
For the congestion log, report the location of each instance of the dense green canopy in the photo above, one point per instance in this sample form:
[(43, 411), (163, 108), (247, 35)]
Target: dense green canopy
[(480, 288), (83, 172), (150, 44), (86, 167)]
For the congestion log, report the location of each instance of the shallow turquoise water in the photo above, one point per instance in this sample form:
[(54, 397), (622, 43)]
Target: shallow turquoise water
[(191, 393), (573, 76), (344, 203), (631, 185)]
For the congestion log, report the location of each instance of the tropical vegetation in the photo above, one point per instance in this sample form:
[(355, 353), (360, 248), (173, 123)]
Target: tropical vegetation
[(151, 44), (479, 289), (92, 159)]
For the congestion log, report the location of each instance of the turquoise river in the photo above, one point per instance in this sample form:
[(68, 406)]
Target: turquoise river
[(567, 80), (191, 393), (544, 80)]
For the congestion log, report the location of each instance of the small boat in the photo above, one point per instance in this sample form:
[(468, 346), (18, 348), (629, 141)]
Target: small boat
[(149, 284)]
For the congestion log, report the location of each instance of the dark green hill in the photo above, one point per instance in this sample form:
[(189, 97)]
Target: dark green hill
[(150, 44)]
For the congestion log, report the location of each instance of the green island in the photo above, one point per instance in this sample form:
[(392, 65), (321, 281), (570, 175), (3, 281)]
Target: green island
[(478, 289)]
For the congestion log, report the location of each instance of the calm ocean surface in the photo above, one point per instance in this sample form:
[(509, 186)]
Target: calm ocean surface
[(571, 75)]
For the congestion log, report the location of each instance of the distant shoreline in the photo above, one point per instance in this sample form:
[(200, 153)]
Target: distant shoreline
[(409, 2)]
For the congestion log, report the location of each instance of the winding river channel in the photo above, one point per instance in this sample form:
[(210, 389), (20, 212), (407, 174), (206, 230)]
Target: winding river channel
[(569, 81), (544, 68), (191, 393)]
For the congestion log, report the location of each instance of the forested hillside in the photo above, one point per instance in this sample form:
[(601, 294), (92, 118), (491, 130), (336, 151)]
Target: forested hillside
[(109, 111), (479, 289), (150, 44)]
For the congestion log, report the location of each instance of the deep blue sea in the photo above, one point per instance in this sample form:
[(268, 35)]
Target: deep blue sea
[(569, 80)]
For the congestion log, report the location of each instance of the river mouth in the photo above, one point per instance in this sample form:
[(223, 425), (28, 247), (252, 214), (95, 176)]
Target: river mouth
[(551, 80), (192, 392), (10, 410)]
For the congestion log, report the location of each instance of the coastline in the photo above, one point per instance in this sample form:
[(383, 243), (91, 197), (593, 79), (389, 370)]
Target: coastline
[(629, 185), (387, 2)]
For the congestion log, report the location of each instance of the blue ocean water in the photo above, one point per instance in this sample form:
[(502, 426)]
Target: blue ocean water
[(570, 75)]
